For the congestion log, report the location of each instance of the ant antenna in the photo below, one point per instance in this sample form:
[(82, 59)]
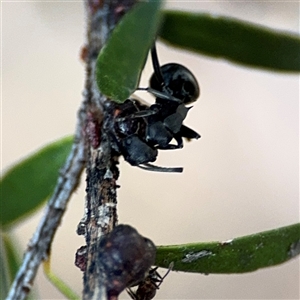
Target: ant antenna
[(156, 67), (171, 265)]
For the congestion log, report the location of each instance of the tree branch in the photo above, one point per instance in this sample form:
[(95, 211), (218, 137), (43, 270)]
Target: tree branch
[(102, 15), (102, 172), (39, 246)]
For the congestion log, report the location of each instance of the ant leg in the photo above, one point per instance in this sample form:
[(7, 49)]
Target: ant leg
[(155, 277), (156, 67), (171, 265), (189, 133), (179, 145), (159, 94), (150, 167), (139, 114), (131, 294)]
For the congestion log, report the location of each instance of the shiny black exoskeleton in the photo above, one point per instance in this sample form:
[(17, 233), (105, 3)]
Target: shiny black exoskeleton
[(138, 131), (127, 131)]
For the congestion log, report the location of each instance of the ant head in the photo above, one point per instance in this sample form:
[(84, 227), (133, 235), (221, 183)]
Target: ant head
[(178, 81)]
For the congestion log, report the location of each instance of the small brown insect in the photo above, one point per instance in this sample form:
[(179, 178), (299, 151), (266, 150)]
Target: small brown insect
[(81, 258), (147, 288), (84, 51)]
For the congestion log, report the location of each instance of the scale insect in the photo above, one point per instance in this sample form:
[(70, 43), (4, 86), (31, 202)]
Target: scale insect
[(137, 131), (125, 258)]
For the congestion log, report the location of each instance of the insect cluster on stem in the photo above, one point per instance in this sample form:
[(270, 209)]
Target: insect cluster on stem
[(137, 131)]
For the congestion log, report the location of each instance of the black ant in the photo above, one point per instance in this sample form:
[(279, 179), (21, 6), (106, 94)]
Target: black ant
[(147, 288), (137, 131)]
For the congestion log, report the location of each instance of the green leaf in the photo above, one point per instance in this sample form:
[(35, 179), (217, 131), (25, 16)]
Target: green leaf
[(232, 39), (27, 184), (9, 262), (240, 255), (122, 59), (58, 282)]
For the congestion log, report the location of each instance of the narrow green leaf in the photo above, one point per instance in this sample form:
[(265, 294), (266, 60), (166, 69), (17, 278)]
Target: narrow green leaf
[(4, 271), (122, 59), (58, 282), (240, 255), (9, 262), (232, 39), (27, 184)]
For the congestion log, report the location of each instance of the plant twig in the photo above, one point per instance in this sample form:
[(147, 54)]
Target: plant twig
[(102, 172), (39, 245), (101, 16)]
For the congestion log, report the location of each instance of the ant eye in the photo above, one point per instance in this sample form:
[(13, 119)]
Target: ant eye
[(179, 82)]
